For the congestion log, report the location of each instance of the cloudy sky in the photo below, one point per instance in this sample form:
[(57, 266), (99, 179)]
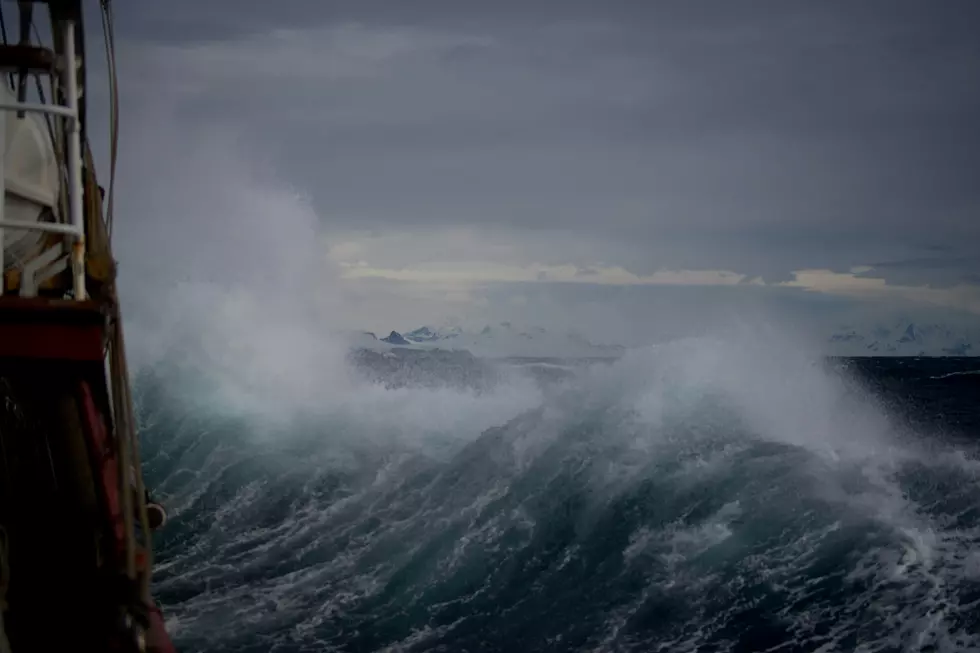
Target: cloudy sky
[(613, 162)]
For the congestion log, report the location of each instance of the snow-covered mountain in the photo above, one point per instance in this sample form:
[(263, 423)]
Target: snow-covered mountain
[(503, 340), (905, 338), (432, 334), (900, 337), (395, 338)]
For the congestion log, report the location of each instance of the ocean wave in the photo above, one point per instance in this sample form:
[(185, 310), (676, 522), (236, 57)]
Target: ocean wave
[(707, 493)]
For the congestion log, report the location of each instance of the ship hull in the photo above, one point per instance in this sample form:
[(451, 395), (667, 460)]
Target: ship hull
[(64, 532)]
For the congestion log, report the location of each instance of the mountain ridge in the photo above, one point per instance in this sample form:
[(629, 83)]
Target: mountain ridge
[(900, 337), (906, 338), (502, 340)]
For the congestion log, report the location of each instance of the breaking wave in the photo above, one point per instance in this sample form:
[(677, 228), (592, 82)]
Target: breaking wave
[(728, 494), (702, 495)]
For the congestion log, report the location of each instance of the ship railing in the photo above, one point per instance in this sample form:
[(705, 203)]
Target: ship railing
[(53, 260)]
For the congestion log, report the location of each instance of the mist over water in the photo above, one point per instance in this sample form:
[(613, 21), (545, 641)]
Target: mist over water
[(732, 492), (677, 498)]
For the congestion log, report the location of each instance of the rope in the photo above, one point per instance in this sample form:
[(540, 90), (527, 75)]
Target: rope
[(110, 53), (124, 402), (134, 451)]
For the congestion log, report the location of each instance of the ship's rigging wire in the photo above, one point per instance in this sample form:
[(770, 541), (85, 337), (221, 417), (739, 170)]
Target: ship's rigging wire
[(110, 53), (125, 421)]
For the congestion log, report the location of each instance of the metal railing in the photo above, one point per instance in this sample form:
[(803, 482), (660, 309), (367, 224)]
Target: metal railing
[(74, 226)]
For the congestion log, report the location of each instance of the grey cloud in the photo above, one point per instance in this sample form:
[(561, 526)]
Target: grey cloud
[(754, 136), (937, 271), (930, 263)]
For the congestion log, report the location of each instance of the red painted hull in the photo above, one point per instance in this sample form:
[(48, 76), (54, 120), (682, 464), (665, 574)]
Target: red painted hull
[(54, 352)]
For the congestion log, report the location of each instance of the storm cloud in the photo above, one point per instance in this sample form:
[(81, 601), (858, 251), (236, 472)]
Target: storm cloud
[(759, 139)]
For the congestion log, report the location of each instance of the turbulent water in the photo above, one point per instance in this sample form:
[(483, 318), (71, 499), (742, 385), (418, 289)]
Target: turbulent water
[(699, 496)]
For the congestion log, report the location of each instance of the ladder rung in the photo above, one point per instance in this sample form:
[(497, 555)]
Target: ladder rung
[(31, 57), (55, 109), (50, 227)]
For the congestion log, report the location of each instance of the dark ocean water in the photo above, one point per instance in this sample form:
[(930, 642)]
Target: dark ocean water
[(673, 501)]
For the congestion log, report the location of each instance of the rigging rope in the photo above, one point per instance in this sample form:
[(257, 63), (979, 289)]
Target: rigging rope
[(130, 472), (125, 422), (110, 53)]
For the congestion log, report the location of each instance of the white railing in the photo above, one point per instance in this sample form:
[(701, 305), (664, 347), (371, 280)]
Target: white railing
[(75, 224)]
